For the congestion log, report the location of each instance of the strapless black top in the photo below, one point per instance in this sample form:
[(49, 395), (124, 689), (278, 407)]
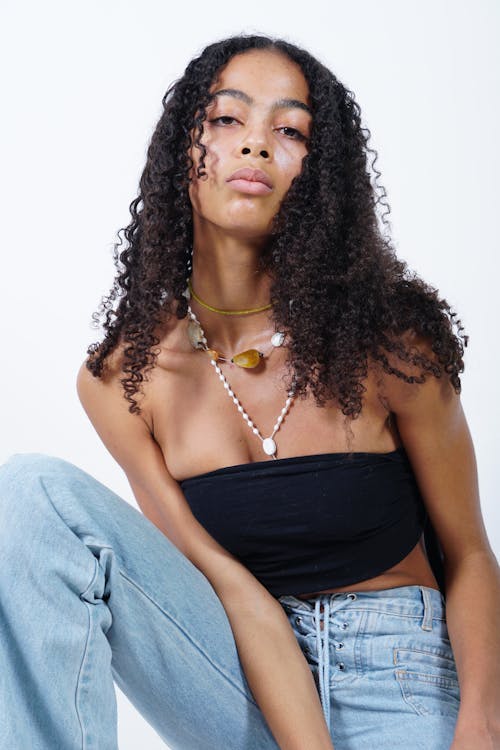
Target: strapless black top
[(308, 523)]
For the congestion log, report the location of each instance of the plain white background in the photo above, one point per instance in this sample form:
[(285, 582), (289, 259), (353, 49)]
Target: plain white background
[(82, 87)]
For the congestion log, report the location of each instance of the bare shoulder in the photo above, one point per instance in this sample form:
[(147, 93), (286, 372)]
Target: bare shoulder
[(123, 433), (111, 383), (106, 395), (396, 390)]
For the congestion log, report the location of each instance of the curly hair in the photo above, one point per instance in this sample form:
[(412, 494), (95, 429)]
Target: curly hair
[(338, 288)]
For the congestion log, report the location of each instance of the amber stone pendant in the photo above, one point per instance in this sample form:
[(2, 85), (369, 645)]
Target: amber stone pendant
[(248, 358)]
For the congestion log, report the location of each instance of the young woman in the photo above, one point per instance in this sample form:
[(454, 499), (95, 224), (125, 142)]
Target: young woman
[(311, 569)]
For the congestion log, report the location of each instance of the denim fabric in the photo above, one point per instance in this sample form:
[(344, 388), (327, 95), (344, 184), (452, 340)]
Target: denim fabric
[(92, 593), (384, 666)]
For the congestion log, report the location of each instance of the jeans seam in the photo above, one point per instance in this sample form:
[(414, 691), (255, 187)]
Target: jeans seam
[(85, 650), (87, 588), (304, 613), (186, 635), (395, 614)]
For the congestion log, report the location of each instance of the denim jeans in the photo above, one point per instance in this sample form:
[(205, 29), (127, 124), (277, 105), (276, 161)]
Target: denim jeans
[(93, 594)]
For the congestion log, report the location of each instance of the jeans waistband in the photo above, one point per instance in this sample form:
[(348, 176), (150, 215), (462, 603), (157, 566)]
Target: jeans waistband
[(409, 600)]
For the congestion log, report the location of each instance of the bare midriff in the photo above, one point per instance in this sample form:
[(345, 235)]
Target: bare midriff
[(413, 570)]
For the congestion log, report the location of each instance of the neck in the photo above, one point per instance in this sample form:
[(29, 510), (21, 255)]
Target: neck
[(225, 275)]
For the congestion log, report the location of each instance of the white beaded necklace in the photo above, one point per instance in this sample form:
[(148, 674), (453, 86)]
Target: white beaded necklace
[(200, 342)]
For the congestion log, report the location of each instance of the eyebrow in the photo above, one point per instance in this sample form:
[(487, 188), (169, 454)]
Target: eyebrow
[(278, 104)]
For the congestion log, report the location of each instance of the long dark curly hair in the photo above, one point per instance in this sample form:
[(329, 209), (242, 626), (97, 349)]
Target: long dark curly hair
[(338, 288)]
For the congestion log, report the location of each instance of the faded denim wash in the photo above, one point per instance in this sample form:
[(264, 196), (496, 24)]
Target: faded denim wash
[(92, 593)]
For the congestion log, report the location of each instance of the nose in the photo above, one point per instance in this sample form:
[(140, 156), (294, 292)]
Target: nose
[(255, 141), (264, 152)]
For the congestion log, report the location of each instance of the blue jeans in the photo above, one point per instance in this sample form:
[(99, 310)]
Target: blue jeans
[(92, 593)]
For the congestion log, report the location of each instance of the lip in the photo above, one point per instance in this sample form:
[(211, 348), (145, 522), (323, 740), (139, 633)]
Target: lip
[(251, 180), (250, 187)]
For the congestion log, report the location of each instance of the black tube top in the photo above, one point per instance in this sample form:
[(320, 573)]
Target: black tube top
[(309, 523)]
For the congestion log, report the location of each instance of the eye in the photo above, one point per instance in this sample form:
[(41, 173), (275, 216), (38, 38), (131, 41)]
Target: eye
[(293, 133), (223, 117)]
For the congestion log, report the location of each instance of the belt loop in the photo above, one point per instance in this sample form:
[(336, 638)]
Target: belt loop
[(427, 602)]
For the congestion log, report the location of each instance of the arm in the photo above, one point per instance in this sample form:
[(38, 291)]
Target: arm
[(274, 665), (433, 428)]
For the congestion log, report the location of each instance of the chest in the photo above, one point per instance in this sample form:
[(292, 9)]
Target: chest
[(199, 427)]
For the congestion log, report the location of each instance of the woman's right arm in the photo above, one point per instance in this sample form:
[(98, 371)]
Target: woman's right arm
[(276, 670)]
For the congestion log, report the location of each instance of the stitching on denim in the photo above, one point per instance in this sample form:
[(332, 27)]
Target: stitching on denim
[(85, 652), (350, 608), (409, 676), (439, 652)]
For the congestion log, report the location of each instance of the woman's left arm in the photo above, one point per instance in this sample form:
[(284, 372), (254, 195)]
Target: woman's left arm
[(436, 437)]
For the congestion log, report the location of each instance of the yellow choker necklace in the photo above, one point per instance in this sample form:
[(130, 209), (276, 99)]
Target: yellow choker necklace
[(226, 312)]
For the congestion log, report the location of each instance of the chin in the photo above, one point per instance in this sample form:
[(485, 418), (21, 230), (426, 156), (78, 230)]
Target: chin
[(252, 220), (247, 230), (239, 224)]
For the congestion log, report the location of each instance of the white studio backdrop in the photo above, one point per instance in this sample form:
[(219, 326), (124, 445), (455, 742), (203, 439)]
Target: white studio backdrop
[(82, 87)]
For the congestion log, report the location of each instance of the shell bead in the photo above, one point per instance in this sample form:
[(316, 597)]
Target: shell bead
[(277, 338), (269, 446), (195, 334)]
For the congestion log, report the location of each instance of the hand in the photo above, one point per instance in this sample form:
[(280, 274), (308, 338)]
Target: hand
[(474, 738)]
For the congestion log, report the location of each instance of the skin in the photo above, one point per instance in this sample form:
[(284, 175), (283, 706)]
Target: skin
[(230, 229), (190, 426)]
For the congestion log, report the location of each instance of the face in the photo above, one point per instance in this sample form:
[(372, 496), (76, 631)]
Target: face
[(259, 119)]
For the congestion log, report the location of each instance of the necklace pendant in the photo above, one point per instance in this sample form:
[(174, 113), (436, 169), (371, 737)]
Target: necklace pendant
[(269, 446), (249, 358)]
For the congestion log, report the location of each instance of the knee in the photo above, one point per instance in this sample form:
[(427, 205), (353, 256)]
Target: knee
[(26, 509), (23, 491), (21, 464)]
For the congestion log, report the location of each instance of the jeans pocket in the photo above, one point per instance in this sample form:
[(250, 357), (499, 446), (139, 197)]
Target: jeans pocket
[(427, 675)]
